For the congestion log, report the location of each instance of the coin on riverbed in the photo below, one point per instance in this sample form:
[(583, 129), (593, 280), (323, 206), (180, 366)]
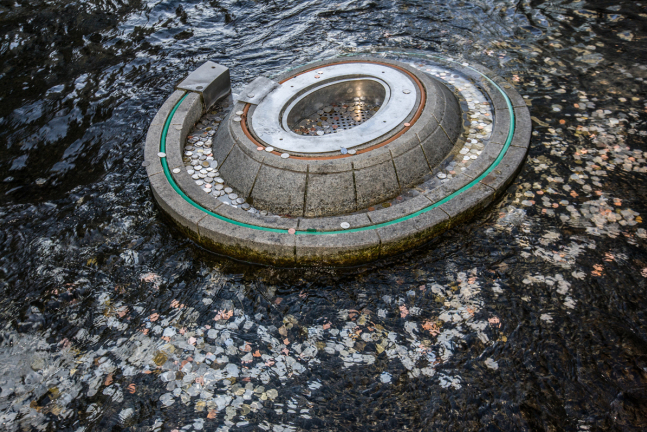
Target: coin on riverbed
[(228, 190)]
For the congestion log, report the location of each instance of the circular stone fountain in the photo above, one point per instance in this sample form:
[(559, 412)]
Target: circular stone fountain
[(337, 162)]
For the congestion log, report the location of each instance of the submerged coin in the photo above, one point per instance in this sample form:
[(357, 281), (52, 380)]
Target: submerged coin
[(232, 196), (228, 190), (190, 171), (219, 180), (199, 182), (195, 176), (240, 200), (219, 187)]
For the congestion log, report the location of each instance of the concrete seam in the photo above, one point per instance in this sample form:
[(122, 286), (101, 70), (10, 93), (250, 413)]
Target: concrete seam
[(488, 186), (352, 166), (431, 170), (397, 178), (305, 193), (255, 178), (197, 225)]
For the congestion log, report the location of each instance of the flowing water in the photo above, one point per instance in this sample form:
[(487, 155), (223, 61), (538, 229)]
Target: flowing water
[(531, 317)]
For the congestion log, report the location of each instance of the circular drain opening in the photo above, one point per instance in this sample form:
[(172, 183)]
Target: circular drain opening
[(336, 107)]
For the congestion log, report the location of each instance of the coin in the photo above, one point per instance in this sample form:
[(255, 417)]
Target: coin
[(199, 182), (239, 113), (195, 176), (291, 231), (176, 170), (219, 180), (219, 187), (161, 154), (190, 171), (237, 119), (269, 149), (250, 95), (240, 200), (407, 124), (188, 153), (345, 225), (406, 91), (343, 150), (245, 206), (285, 155), (232, 196), (228, 190), (352, 152), (259, 148)]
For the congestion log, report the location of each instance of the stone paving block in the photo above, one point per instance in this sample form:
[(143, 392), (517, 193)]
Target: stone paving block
[(469, 202), (185, 216), (413, 232), (436, 147), (490, 153), (402, 209), (501, 127), (222, 145), (335, 249), (334, 223), (240, 170), (152, 148), (375, 184), (247, 243), (243, 216), (507, 169), (411, 167), (285, 197), (330, 193), (523, 128)]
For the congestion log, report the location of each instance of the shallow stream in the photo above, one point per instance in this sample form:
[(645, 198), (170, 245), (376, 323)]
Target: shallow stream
[(531, 317)]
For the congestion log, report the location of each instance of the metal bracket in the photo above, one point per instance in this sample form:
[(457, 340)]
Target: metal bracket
[(211, 80), (255, 91)]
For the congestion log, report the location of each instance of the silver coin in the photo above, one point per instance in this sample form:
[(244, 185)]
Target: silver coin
[(232, 196), (188, 153), (320, 133), (442, 175), (352, 152), (245, 206), (161, 154), (219, 187), (214, 164), (195, 176), (219, 180), (269, 149), (202, 175), (239, 113), (176, 170), (228, 190), (208, 179), (190, 171), (199, 182), (203, 171), (285, 155), (237, 119), (263, 213), (212, 175), (345, 225), (240, 200)]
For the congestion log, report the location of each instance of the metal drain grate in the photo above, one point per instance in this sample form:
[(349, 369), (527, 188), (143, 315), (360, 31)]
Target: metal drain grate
[(336, 117)]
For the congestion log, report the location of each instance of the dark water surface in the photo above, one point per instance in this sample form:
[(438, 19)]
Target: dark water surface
[(532, 317)]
